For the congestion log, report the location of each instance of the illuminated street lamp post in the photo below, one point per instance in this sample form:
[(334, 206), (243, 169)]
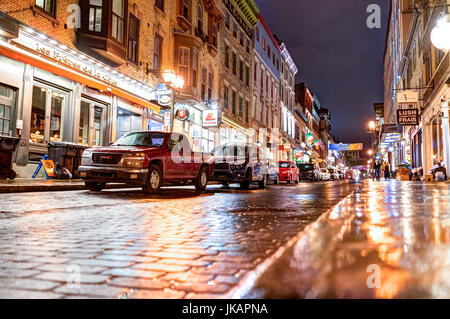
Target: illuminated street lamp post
[(175, 82)]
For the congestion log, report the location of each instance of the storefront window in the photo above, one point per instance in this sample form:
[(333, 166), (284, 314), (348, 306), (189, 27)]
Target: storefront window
[(37, 128), (127, 121), (55, 117), (83, 137), (98, 125), (7, 98)]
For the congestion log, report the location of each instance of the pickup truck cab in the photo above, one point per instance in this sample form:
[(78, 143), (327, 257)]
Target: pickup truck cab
[(240, 163), (146, 159)]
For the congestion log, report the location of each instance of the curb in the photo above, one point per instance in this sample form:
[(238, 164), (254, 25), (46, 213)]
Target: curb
[(246, 284)]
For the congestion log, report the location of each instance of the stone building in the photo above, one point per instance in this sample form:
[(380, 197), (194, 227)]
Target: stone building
[(236, 56)]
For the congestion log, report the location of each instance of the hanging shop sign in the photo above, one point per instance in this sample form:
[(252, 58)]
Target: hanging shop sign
[(407, 97), (408, 117), (392, 137), (167, 118), (182, 113), (391, 128), (346, 147), (210, 118)]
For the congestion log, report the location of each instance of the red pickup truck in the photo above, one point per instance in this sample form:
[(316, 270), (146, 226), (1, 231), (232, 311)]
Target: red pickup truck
[(146, 159)]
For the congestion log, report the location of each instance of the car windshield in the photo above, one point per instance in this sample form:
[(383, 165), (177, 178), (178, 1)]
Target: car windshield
[(284, 165), (306, 167), (148, 139), (230, 150)]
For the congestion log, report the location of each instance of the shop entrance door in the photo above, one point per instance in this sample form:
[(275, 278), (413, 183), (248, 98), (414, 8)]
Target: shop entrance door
[(92, 123)]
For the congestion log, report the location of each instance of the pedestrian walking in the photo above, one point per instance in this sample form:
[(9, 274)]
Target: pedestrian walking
[(387, 172)]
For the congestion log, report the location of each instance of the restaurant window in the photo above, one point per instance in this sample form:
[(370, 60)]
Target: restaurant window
[(49, 6), (203, 86), (157, 52), (225, 97), (118, 24), (46, 114), (233, 102), (183, 63), (133, 37), (159, 4), (194, 68), (227, 56), (95, 15), (7, 104)]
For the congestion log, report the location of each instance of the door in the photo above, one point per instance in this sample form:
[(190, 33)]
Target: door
[(177, 163), (7, 110), (92, 123), (47, 113)]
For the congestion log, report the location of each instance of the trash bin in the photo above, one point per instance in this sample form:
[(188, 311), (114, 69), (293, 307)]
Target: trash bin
[(8, 146), (77, 159), (63, 155)]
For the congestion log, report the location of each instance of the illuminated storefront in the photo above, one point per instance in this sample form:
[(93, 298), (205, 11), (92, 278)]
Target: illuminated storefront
[(52, 93)]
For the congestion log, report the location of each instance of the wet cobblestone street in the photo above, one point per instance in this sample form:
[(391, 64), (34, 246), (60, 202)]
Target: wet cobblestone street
[(125, 244)]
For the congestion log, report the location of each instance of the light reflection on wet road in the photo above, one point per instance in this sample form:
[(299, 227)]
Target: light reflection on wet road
[(388, 240), (123, 243)]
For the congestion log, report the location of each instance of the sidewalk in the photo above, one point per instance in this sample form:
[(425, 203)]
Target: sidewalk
[(20, 185), (389, 239)]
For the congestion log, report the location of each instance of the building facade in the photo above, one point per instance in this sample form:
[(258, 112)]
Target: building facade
[(236, 61), (414, 66)]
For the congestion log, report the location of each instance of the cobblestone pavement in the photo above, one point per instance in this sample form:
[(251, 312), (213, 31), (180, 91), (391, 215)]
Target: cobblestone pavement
[(389, 239), (125, 244)]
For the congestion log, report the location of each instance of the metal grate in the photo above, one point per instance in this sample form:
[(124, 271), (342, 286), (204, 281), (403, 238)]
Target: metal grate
[(106, 158)]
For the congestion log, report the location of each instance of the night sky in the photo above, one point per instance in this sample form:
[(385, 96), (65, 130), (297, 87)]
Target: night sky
[(338, 56)]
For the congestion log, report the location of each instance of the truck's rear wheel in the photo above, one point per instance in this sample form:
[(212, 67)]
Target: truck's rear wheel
[(202, 180), (154, 180), (94, 187)]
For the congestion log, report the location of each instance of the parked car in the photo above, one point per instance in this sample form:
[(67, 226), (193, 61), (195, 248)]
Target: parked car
[(324, 174), (240, 163), (274, 176), (146, 159), (288, 172), (308, 172), (334, 175)]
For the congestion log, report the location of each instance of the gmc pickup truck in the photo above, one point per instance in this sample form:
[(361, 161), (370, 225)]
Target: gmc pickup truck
[(146, 159)]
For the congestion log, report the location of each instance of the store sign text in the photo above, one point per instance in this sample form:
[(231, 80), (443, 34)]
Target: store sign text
[(76, 65), (408, 117)]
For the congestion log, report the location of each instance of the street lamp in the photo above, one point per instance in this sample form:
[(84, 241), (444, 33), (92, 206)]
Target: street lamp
[(370, 152), (175, 82), (372, 126), (440, 34)]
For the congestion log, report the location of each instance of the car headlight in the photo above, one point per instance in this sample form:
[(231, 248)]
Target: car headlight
[(86, 157), (134, 160)]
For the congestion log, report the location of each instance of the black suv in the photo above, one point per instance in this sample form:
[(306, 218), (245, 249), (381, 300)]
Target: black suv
[(240, 163), (308, 172)]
